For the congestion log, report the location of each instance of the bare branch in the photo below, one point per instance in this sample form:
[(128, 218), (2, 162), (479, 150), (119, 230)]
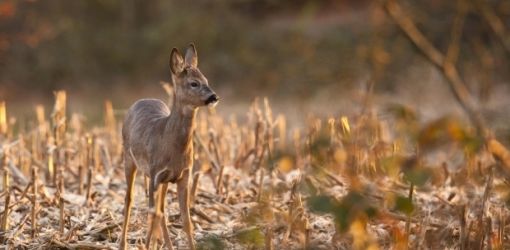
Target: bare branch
[(447, 66), (496, 24), (444, 63), (407, 25), (452, 54)]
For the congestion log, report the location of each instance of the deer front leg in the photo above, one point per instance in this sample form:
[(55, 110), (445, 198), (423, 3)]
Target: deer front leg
[(130, 179), (183, 193), (164, 227), (152, 212)]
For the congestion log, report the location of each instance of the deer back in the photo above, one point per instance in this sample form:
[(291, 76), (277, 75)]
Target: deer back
[(143, 130)]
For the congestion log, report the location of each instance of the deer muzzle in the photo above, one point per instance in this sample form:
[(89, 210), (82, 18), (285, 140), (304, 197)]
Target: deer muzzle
[(212, 100)]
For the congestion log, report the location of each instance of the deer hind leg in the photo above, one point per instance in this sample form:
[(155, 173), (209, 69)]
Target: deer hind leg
[(152, 212), (130, 170), (163, 225), (183, 193)]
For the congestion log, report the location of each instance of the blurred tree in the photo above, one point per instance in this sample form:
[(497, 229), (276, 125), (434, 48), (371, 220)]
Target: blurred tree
[(276, 47)]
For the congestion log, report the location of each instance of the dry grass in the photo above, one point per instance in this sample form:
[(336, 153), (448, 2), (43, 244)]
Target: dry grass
[(358, 182)]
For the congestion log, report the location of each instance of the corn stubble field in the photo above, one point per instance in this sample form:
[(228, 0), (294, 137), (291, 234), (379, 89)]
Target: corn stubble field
[(359, 182)]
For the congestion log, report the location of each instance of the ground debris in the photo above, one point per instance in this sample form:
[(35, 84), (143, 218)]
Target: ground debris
[(326, 188)]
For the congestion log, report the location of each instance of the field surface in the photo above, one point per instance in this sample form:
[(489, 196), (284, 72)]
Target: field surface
[(358, 182)]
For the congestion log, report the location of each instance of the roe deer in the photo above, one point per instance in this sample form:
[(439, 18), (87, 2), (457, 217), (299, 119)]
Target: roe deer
[(158, 142)]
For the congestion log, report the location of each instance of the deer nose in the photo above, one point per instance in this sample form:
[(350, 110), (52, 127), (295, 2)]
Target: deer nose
[(212, 99)]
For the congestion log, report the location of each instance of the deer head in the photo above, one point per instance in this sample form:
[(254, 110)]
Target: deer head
[(190, 85)]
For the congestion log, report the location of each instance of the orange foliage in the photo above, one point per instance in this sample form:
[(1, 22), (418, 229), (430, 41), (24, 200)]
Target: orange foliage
[(7, 9)]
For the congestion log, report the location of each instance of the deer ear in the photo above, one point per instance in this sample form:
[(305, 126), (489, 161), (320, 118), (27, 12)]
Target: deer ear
[(191, 58), (176, 61)]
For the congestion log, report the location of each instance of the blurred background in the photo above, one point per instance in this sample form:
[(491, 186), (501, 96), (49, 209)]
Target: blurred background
[(319, 56)]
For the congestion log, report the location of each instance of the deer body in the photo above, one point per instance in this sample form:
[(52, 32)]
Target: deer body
[(159, 138), (158, 143)]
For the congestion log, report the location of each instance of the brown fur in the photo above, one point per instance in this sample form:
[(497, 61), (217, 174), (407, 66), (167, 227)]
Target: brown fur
[(158, 142)]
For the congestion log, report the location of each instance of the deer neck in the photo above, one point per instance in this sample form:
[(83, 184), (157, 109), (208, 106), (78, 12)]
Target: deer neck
[(180, 125)]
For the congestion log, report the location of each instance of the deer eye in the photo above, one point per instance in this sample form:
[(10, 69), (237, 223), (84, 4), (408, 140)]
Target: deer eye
[(194, 84)]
